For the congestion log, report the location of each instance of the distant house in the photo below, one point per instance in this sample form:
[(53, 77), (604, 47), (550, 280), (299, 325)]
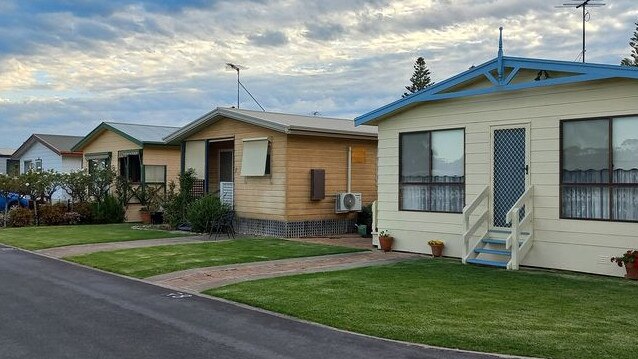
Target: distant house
[(44, 152), (137, 152), (516, 161), (5, 157), (283, 174)]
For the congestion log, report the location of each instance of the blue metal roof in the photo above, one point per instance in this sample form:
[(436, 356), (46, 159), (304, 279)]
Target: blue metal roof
[(501, 81)]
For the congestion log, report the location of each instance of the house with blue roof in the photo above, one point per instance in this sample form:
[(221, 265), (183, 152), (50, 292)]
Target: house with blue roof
[(514, 162)]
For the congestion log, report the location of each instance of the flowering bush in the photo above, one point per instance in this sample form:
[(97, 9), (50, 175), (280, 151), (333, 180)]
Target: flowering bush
[(72, 218), (436, 242), (630, 257), (20, 217)]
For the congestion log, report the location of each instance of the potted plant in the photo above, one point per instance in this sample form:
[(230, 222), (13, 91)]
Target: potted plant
[(437, 247), (385, 241), (630, 261), (146, 196)]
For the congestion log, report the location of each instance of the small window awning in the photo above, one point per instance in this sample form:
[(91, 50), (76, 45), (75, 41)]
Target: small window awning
[(97, 156), (125, 153), (255, 153)]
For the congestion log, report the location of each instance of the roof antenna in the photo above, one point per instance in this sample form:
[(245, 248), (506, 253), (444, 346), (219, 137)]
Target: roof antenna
[(501, 70), (235, 67), (586, 15)]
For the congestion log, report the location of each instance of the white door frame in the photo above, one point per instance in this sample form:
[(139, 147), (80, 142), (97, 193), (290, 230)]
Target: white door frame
[(527, 127)]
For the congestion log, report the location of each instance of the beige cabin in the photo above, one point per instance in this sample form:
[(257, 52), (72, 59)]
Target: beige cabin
[(282, 173), (515, 162), (137, 152)]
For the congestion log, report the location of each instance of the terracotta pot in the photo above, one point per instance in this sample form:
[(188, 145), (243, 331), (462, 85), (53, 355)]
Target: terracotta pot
[(437, 249), (146, 217), (385, 242), (632, 271)]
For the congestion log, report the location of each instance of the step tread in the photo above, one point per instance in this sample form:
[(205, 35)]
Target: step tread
[(505, 231), (496, 241), (501, 252), (487, 262)]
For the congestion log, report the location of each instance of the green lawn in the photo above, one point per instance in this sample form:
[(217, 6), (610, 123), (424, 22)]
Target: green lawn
[(58, 236), (444, 303), (150, 261)]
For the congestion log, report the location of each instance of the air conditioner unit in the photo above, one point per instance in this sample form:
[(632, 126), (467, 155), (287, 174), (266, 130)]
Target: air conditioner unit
[(348, 202)]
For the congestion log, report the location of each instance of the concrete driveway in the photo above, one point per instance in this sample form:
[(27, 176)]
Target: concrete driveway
[(53, 309)]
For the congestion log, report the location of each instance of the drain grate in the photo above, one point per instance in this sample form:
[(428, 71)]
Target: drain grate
[(178, 295)]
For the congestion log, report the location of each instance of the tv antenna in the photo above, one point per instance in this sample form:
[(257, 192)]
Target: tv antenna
[(231, 66), (583, 4)]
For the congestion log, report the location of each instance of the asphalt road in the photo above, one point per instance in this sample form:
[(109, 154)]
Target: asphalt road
[(52, 309)]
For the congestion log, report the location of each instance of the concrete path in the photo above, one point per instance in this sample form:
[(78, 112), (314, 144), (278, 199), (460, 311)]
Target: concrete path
[(53, 309), (199, 279), (76, 250)]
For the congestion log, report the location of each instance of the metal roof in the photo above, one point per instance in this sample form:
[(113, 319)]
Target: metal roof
[(144, 133), (6, 152), (60, 144), (137, 133), (281, 122)]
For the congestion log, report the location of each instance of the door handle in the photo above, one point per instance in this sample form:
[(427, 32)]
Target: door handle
[(526, 169)]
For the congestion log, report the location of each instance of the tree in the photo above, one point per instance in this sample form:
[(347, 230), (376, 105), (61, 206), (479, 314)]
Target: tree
[(633, 59), (420, 79)]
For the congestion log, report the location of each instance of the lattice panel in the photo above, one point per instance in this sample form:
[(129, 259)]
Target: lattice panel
[(509, 171)]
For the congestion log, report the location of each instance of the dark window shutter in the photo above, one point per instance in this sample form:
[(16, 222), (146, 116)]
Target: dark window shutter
[(317, 184)]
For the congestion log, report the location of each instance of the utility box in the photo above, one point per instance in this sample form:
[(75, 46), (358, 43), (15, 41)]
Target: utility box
[(317, 184)]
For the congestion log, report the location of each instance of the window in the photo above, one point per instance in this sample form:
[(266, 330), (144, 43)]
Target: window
[(38, 165), (599, 174), (28, 165), (130, 165), (154, 174), (432, 171), (98, 163), (255, 157)]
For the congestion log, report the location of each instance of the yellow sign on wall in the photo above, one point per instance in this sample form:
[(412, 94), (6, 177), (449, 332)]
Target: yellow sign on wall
[(358, 155)]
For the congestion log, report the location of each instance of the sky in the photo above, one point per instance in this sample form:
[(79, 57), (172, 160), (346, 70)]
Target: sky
[(66, 66)]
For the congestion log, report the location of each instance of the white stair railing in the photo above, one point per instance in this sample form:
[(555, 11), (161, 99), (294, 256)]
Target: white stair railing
[(470, 230), (519, 250)]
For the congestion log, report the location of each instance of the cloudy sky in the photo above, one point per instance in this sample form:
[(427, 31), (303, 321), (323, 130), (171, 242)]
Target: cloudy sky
[(66, 65)]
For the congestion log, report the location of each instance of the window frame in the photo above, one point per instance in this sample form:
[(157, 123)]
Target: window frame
[(400, 183), (25, 167), (610, 184)]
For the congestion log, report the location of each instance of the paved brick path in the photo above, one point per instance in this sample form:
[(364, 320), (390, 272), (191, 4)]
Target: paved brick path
[(346, 240), (80, 249), (204, 278)]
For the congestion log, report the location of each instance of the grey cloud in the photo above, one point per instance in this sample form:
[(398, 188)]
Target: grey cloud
[(324, 31), (268, 38)]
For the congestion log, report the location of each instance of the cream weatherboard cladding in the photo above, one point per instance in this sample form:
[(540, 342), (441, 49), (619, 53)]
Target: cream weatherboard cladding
[(579, 245)]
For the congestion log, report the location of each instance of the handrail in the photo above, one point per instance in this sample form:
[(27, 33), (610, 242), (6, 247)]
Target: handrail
[(518, 250), (468, 231)]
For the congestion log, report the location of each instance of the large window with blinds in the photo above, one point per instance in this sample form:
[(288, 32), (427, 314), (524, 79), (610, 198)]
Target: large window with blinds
[(432, 171), (599, 169)]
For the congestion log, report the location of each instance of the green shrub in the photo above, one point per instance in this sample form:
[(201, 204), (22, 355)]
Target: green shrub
[(20, 217), (109, 210), (178, 200), (85, 210), (51, 214), (202, 211)]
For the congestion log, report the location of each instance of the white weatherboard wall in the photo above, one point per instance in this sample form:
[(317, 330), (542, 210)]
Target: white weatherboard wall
[(51, 161), (578, 245), (3, 165)]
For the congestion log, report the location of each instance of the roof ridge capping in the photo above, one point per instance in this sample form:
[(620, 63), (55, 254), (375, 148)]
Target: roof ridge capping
[(581, 72)]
